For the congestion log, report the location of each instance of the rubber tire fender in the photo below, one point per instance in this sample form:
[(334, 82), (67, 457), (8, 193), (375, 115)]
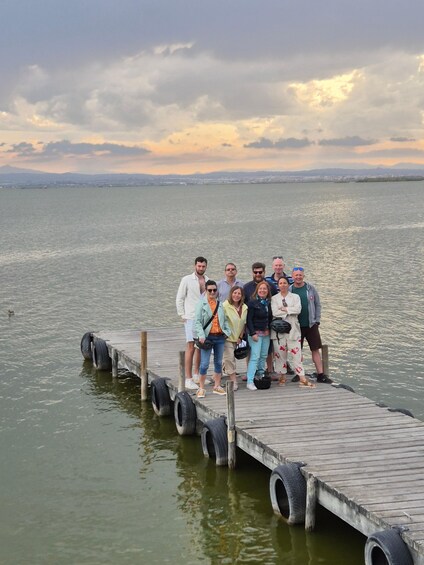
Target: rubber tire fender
[(185, 414), (287, 489), (387, 548), (101, 359), (161, 401), (215, 441), (86, 340)]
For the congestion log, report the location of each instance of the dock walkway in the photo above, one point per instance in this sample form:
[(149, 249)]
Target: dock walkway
[(362, 462)]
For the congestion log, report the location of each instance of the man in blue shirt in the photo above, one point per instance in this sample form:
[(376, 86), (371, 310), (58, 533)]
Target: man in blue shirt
[(225, 285), (278, 271)]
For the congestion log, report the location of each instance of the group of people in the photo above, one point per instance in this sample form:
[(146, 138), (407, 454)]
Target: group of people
[(227, 312)]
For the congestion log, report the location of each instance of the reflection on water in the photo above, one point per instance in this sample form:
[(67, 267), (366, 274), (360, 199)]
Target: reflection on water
[(227, 514), (89, 475)]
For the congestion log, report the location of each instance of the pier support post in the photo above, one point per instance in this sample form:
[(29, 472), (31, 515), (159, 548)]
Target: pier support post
[(325, 361), (231, 426), (311, 503), (114, 363), (181, 372), (143, 365)]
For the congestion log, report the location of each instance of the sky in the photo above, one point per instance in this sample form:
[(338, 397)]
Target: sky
[(187, 86)]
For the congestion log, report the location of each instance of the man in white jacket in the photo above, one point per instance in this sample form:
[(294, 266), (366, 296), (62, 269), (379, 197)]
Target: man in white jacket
[(189, 292)]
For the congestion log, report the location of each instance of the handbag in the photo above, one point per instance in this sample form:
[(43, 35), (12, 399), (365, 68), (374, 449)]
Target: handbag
[(280, 326), (242, 349), (207, 344)]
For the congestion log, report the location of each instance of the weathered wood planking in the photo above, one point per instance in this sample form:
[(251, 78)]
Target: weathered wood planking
[(368, 463)]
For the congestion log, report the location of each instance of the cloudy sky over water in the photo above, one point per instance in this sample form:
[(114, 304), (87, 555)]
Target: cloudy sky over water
[(183, 86)]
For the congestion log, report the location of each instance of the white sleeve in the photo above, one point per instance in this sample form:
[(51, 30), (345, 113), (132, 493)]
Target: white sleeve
[(181, 295)]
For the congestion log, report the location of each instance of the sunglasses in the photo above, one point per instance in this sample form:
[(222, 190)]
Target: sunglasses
[(211, 289), (277, 257), (258, 272), (298, 269)]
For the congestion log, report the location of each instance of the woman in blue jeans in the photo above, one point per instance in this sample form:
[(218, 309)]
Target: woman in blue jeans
[(210, 322), (259, 316)]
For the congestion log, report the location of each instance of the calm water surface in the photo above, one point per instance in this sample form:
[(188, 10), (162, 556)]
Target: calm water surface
[(88, 475)]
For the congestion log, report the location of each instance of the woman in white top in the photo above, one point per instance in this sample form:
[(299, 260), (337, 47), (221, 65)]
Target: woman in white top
[(235, 312), (286, 306)]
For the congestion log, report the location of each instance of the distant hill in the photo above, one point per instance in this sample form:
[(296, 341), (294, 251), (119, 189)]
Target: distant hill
[(13, 176), (8, 170)]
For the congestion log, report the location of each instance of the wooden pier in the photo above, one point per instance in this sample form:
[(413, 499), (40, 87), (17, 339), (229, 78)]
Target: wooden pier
[(325, 445)]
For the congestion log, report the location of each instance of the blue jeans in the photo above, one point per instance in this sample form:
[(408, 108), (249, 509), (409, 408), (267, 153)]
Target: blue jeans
[(218, 352), (258, 355)]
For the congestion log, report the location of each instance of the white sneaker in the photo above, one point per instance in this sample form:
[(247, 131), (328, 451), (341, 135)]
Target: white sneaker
[(195, 379), (190, 384), (209, 381), (251, 386)]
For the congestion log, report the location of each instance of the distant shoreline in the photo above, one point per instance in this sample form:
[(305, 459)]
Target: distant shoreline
[(136, 182)]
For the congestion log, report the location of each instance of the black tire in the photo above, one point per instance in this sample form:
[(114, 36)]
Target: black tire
[(161, 401), (185, 414), (101, 359), (287, 489), (86, 340), (215, 441), (387, 548), (402, 411), (347, 387)]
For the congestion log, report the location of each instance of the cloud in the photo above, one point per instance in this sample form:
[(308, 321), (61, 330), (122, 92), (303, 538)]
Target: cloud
[(402, 139), (289, 143), (348, 141), (23, 149), (65, 148), (198, 81)]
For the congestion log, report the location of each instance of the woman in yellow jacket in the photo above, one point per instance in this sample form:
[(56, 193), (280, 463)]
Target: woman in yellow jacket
[(236, 313)]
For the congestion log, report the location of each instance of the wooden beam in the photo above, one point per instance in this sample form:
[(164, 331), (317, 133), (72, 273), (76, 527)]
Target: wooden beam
[(231, 425), (325, 360), (143, 365), (181, 371), (311, 502)]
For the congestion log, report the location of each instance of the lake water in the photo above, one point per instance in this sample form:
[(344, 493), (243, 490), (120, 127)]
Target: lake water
[(88, 475)]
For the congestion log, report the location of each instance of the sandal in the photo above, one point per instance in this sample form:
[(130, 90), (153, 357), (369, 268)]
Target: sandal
[(282, 380), (306, 384)]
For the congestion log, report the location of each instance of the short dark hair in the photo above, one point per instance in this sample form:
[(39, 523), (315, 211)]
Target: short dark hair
[(200, 260), (283, 277), (210, 282), (258, 265)]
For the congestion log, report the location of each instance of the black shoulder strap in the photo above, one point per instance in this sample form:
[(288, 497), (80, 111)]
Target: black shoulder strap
[(211, 318)]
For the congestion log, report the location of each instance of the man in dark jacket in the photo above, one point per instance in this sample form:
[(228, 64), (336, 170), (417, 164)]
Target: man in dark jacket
[(258, 272)]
